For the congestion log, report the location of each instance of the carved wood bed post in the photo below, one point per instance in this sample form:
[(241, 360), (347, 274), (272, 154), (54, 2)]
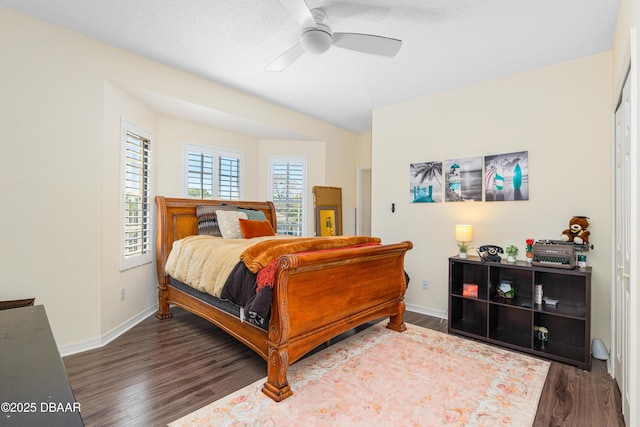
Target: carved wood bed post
[(395, 322), (164, 312), (277, 387), (162, 253)]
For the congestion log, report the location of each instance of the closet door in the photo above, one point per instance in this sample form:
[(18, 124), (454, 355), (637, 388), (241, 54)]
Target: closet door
[(622, 245)]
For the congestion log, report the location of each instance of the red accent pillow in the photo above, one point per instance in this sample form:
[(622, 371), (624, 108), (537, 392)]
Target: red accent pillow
[(255, 228)]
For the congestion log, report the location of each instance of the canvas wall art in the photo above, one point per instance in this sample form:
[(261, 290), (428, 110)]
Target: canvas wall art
[(426, 182), (506, 177), (463, 179), (327, 221)]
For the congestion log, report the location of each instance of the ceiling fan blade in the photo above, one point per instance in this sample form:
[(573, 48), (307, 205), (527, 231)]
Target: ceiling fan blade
[(299, 10), (287, 58), (367, 43)]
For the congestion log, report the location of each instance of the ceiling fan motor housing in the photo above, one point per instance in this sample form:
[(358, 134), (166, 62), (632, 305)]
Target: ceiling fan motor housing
[(317, 40), (317, 37)]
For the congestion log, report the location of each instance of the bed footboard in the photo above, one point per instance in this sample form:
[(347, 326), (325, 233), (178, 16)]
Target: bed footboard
[(321, 295)]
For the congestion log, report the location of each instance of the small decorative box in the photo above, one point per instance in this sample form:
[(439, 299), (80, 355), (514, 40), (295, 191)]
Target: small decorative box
[(470, 290)]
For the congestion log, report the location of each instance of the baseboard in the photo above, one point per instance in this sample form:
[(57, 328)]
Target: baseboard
[(427, 311), (106, 338), (90, 344)]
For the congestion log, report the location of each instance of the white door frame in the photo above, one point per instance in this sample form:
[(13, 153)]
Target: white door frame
[(362, 210)]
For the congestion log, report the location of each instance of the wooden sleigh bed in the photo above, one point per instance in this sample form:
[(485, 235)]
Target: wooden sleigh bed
[(316, 296)]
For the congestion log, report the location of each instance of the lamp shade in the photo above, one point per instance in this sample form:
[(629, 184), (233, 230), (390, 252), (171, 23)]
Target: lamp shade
[(464, 233)]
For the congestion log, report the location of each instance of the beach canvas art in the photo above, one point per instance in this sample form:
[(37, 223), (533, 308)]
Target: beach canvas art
[(506, 177), (463, 179), (425, 182)]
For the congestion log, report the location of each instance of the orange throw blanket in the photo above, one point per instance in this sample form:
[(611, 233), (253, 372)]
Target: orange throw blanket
[(263, 253)]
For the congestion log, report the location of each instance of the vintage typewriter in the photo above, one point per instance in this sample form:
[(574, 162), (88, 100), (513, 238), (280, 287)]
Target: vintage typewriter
[(554, 253)]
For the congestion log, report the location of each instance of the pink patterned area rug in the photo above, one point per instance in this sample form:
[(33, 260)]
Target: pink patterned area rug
[(379, 377)]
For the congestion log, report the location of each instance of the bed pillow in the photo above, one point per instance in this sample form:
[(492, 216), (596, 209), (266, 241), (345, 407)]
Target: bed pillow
[(254, 214), (207, 221), (229, 223), (255, 228)]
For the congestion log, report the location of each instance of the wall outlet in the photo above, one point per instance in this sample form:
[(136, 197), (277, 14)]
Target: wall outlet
[(425, 284), (121, 294)]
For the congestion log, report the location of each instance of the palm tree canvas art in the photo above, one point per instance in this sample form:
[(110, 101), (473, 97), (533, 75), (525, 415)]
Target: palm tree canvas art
[(426, 182)]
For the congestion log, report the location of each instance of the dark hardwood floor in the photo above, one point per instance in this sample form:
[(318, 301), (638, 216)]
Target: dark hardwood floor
[(160, 371)]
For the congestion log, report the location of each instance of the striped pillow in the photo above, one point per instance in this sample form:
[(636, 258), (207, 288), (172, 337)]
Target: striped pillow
[(207, 220)]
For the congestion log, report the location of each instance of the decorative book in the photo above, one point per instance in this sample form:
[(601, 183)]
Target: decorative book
[(470, 290)]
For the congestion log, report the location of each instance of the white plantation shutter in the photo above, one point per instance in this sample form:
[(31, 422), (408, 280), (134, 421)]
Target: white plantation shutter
[(136, 195), (288, 189), (199, 175), (228, 178), (211, 173)]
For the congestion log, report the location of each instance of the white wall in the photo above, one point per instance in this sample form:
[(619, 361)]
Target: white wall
[(174, 133), (561, 115), (63, 96), (340, 172)]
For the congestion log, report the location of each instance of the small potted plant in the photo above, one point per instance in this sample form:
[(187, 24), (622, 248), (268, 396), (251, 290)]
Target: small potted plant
[(512, 252), (462, 249), (529, 252)]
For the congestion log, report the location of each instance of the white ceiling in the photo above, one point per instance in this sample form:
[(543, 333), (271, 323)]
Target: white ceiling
[(446, 44)]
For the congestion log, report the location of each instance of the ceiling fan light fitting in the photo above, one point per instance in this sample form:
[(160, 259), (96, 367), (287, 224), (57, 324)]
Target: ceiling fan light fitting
[(316, 40)]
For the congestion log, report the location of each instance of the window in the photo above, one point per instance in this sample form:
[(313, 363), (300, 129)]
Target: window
[(288, 189), (135, 197), (211, 173)]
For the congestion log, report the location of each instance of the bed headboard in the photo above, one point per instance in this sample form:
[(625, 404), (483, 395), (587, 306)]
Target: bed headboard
[(177, 219)]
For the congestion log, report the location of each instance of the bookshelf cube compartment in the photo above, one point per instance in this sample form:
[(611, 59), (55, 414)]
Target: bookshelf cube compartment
[(566, 337), (463, 273), (510, 325), (469, 316), (572, 291), (520, 278)]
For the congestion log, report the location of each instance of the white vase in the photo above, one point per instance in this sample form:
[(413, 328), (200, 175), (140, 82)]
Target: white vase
[(511, 258)]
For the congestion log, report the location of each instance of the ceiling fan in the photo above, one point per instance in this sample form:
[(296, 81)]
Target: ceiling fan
[(317, 37)]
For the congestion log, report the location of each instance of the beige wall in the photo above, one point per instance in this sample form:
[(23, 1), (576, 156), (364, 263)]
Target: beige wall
[(63, 96), (173, 134), (119, 105), (50, 180), (561, 115)]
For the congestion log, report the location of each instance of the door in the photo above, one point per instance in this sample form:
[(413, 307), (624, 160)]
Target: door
[(622, 245)]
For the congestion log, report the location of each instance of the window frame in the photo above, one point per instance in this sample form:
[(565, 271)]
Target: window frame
[(145, 257), (292, 159), (216, 153)]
